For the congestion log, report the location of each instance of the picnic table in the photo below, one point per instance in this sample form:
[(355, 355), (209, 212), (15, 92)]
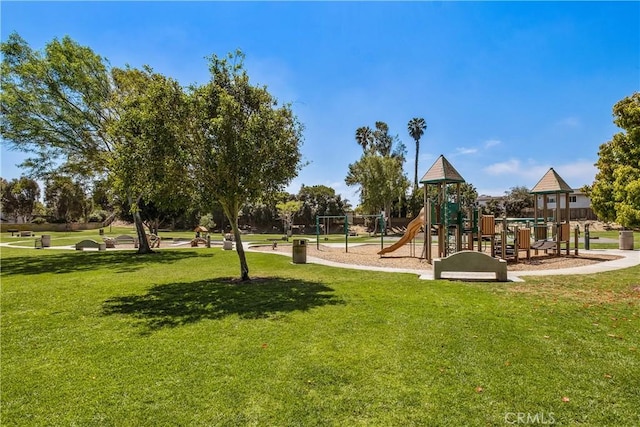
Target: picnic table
[(12, 231)]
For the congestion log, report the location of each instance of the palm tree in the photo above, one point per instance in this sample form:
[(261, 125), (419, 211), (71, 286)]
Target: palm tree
[(416, 128), (382, 141), (364, 137)]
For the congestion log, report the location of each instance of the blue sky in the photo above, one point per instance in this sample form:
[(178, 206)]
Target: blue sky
[(508, 89)]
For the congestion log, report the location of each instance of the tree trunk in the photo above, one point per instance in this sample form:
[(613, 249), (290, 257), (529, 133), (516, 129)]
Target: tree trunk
[(415, 174), (387, 223), (244, 267), (143, 243), (232, 216)]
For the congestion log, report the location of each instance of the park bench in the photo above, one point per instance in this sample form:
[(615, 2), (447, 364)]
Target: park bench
[(125, 239), (90, 244), (25, 233), (12, 231), (470, 262)]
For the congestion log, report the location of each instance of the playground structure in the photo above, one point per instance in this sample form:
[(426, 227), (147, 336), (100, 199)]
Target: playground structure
[(454, 228), (413, 228), (457, 230), (552, 183), (444, 215)]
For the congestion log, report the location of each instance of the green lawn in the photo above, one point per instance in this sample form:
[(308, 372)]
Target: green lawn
[(72, 237), (118, 339)]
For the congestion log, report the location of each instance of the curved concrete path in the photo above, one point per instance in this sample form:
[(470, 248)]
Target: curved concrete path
[(629, 259)]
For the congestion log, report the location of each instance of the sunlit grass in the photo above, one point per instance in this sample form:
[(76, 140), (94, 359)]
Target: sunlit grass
[(172, 339)]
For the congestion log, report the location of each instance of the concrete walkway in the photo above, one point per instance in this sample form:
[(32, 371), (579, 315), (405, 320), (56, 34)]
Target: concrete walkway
[(629, 259)]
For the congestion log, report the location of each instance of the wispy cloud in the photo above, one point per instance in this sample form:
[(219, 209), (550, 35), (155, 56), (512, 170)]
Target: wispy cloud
[(492, 143), (530, 171), (578, 173), (575, 173), (569, 122), (511, 166), (464, 150)]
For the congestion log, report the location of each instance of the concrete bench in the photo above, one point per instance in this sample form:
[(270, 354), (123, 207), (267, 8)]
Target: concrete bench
[(90, 244), (25, 233), (127, 240), (470, 262)]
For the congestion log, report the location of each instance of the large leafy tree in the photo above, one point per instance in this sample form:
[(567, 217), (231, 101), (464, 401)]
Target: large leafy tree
[(54, 106), (102, 195), (59, 105), (287, 211), (320, 200), (381, 180), (383, 141), (19, 197), (65, 199), (246, 146), (615, 194), (262, 213), (379, 172), (516, 200), (468, 195), (416, 128), (150, 162), (493, 207), (7, 201)]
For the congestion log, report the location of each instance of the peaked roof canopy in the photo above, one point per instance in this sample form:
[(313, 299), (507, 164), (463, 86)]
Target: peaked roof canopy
[(441, 171), (551, 182)]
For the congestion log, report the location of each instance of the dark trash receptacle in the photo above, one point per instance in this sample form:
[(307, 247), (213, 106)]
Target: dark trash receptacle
[(46, 241), (299, 251)]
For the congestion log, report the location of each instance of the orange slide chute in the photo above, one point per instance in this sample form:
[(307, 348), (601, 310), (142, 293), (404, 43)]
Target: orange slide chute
[(412, 229)]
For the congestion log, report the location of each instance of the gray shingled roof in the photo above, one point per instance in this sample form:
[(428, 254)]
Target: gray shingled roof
[(551, 182), (441, 171)]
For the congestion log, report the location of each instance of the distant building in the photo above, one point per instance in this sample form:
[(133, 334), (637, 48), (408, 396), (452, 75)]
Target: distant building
[(579, 205)]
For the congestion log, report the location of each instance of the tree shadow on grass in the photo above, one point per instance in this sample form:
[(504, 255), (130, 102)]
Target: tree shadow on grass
[(72, 262), (176, 304)]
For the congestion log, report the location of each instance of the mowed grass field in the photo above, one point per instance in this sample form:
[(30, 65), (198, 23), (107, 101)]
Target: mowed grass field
[(599, 239), (118, 339)]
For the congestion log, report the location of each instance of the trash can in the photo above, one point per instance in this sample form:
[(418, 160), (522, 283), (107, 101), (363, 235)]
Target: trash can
[(227, 245), (626, 240), (46, 241), (299, 251)]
